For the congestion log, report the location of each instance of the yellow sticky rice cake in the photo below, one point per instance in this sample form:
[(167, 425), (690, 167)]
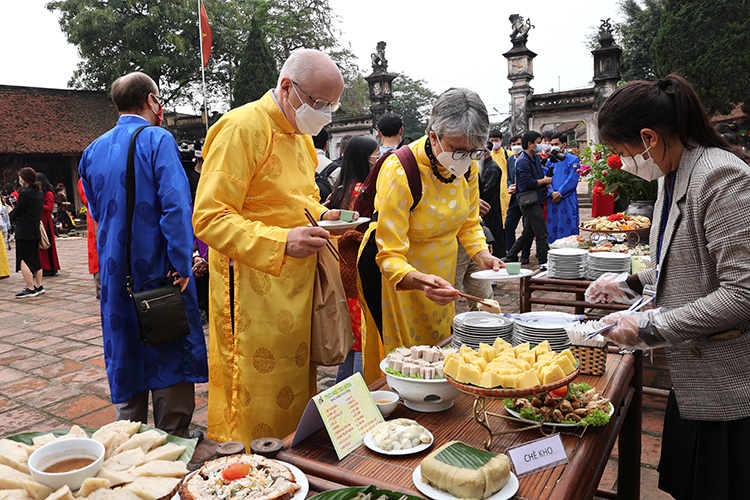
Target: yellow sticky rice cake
[(502, 365)]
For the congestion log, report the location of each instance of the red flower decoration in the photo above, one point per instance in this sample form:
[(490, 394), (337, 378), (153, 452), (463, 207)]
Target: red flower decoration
[(585, 170), (604, 173), (614, 162), (616, 217), (598, 190), (597, 156)]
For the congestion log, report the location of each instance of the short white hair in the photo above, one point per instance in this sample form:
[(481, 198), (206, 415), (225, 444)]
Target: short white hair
[(299, 66)]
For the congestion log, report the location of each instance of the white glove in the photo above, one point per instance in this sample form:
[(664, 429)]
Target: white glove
[(610, 287), (635, 330)]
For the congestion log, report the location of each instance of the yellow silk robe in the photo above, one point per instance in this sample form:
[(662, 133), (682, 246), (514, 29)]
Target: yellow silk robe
[(257, 178), (501, 158), (423, 240)]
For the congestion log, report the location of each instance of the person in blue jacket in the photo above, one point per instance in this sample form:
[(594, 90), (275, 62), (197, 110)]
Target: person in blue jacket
[(562, 207), (530, 177), (162, 246)]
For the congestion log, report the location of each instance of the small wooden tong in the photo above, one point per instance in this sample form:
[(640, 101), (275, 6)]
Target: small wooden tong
[(462, 294), (330, 246)]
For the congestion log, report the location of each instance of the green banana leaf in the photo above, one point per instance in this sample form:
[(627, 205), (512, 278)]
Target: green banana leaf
[(349, 493), (189, 444)]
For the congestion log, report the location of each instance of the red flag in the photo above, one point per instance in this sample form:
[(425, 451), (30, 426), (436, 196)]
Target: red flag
[(205, 35)]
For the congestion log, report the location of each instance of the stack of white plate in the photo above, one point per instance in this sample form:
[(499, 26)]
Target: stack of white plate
[(471, 328), (540, 329), (567, 263), (607, 262)]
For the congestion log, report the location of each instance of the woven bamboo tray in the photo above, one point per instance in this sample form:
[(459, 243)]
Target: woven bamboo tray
[(501, 392), (593, 360)]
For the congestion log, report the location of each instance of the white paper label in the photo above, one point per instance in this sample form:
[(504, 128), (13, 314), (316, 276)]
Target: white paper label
[(538, 455)]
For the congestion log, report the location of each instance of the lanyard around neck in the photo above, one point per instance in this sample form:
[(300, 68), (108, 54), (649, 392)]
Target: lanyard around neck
[(664, 217)]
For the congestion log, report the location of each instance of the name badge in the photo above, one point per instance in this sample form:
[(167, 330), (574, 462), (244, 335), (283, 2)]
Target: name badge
[(538, 455)]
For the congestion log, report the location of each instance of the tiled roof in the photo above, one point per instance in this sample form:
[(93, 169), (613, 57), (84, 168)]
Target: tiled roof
[(50, 121)]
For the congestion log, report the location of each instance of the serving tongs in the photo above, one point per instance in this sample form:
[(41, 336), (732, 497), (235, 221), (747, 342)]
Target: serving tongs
[(462, 294), (637, 305)]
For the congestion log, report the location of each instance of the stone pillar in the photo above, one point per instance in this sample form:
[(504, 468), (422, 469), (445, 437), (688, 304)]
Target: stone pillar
[(606, 64), (520, 73), (381, 91)]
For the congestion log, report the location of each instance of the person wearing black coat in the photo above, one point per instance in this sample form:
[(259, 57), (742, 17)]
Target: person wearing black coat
[(490, 177), (27, 215)]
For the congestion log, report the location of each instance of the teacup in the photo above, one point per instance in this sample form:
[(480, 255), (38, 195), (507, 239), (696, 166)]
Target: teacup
[(513, 267)]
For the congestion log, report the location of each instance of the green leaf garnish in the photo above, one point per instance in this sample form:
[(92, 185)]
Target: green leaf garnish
[(464, 456)]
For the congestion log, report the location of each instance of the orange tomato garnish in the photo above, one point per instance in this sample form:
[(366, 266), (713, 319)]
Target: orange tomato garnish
[(559, 392), (235, 471)]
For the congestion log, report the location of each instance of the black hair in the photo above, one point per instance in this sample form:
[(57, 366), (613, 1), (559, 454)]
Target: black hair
[(45, 184), (496, 133), (344, 142), (29, 176), (527, 137), (561, 137), (726, 131), (355, 166), (514, 138), (390, 124), (321, 139), (641, 104), (8, 189), (547, 134)]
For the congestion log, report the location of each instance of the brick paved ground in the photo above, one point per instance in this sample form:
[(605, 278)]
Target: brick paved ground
[(52, 367)]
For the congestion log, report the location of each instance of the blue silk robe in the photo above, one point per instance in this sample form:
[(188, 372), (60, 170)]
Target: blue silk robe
[(562, 218), (162, 234)]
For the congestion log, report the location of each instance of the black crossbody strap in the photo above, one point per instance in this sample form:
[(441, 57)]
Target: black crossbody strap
[(130, 203)]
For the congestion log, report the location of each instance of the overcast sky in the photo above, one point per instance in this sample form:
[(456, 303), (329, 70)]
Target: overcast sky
[(448, 44)]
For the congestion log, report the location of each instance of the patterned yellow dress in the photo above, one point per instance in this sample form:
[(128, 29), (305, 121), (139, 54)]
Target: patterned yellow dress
[(4, 267), (423, 240), (257, 179)]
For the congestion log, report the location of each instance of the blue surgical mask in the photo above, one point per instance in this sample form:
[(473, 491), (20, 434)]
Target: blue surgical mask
[(539, 148)]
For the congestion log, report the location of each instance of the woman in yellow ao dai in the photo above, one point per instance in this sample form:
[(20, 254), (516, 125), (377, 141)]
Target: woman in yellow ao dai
[(422, 243)]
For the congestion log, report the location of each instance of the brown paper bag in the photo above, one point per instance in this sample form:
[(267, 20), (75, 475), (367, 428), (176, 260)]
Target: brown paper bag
[(332, 336)]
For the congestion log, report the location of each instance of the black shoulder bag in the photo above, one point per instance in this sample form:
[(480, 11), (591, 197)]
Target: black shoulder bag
[(160, 311)]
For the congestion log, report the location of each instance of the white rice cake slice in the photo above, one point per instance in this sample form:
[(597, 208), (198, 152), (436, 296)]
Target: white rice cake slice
[(10, 478), (117, 478), (91, 484), (144, 441), (63, 493), (43, 439), (15, 450), (125, 460), (153, 488), (124, 426), (115, 494), (16, 494), (162, 468), (169, 452), (36, 490), (14, 464), (106, 437)]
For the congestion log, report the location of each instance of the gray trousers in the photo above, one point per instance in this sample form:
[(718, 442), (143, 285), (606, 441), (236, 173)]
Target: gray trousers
[(173, 408), (465, 283)]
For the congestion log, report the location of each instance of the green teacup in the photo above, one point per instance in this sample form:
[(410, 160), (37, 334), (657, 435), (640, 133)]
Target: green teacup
[(513, 267)]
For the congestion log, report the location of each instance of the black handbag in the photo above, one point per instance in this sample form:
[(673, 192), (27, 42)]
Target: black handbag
[(527, 198), (161, 310)]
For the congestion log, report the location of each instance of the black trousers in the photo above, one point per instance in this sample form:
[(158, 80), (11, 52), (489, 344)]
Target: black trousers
[(534, 226)]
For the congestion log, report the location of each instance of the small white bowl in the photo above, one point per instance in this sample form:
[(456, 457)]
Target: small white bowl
[(52, 453), (385, 408), (426, 396)]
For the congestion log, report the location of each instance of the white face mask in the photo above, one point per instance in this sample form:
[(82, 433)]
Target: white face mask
[(546, 148), (637, 165), (456, 167), (496, 146), (310, 121), (516, 149)]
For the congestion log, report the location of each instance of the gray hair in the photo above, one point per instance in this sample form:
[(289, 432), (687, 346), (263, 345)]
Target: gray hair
[(461, 113)]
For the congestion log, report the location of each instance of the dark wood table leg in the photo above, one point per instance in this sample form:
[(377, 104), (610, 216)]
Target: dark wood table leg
[(524, 300), (580, 296), (629, 467)]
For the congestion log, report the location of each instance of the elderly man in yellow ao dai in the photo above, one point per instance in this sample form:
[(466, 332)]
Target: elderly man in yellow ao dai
[(257, 179), (420, 246)]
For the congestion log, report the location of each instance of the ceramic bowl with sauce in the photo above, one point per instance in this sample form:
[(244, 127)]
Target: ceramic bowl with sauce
[(69, 461), (386, 401)]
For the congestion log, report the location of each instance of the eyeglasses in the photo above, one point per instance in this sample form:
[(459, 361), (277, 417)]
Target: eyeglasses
[(460, 154), (158, 99), (318, 103)]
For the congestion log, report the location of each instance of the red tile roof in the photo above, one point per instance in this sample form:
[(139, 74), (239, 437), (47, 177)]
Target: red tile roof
[(51, 121)]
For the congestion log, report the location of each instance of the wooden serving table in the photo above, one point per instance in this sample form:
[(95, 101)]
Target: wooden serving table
[(588, 450), (532, 283)]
